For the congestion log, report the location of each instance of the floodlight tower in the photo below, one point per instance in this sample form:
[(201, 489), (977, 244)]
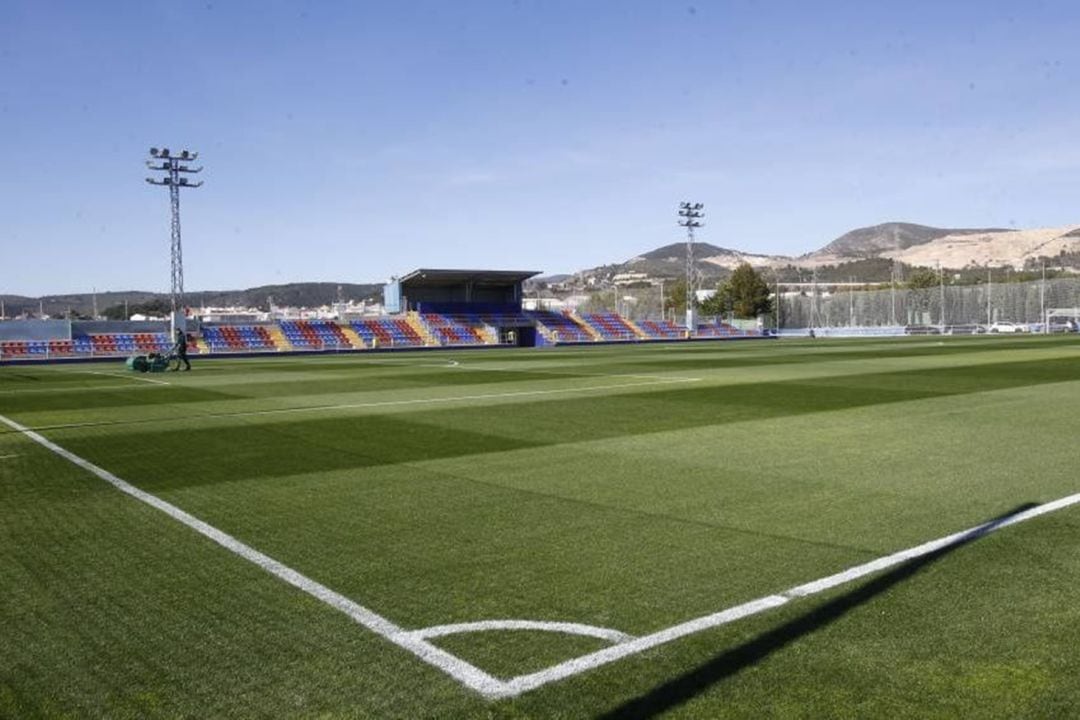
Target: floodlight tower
[(174, 166), (690, 215)]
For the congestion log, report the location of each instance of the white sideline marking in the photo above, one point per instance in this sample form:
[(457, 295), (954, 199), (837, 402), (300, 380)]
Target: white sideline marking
[(8, 457), (472, 677), (386, 403), (524, 683), (562, 627), (126, 377), (465, 673), (92, 388)]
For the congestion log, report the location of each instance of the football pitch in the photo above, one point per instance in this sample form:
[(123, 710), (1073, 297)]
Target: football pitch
[(874, 528)]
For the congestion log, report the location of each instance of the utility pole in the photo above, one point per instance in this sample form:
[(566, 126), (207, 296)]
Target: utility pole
[(690, 215), (896, 279), (851, 302), (1042, 301), (777, 302), (663, 311), (941, 279), (174, 167), (989, 291)]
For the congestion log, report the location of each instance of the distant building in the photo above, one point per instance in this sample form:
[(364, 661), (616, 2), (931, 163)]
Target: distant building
[(630, 278)]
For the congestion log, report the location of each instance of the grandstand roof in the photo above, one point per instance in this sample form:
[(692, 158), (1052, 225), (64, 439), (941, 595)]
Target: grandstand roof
[(429, 276)]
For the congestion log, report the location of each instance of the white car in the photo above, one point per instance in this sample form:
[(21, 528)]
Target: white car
[(1007, 327)]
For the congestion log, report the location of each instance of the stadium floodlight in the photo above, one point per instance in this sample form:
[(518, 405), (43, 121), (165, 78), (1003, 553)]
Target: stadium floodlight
[(170, 165), (690, 215)]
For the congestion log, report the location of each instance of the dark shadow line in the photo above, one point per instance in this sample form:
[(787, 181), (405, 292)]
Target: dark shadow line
[(731, 662)]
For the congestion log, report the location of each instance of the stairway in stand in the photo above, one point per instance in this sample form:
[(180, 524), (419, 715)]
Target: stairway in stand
[(279, 339)]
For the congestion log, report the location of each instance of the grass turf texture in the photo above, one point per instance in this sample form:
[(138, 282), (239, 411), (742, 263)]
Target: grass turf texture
[(625, 487)]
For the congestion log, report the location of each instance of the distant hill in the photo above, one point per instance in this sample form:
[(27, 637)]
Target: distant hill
[(888, 237), (311, 294), (710, 260), (677, 252), (867, 252)]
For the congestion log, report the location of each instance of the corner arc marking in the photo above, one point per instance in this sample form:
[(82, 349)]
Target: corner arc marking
[(569, 628)]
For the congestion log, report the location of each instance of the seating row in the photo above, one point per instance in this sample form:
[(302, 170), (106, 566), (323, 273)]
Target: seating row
[(662, 329), (610, 326), (314, 334), (562, 327), (454, 330), (225, 338), (386, 332), (98, 344)]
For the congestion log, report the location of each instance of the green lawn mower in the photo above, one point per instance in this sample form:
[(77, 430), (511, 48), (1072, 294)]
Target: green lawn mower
[(154, 362)]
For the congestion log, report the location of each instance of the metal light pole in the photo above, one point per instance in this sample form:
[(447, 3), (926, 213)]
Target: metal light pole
[(174, 167), (941, 279), (663, 310), (690, 215), (1042, 301)]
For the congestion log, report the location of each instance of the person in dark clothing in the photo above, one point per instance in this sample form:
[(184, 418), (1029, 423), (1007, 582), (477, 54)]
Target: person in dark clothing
[(181, 349)]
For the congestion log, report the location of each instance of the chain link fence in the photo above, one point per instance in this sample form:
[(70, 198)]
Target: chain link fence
[(951, 305)]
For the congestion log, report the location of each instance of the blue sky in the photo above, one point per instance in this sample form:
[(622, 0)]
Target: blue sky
[(357, 140)]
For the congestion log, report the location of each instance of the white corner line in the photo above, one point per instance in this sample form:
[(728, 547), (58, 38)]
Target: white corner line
[(524, 683), (125, 377), (465, 673), (569, 628), (476, 679)]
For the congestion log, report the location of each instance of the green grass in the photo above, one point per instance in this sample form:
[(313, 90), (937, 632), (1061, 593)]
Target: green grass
[(631, 488)]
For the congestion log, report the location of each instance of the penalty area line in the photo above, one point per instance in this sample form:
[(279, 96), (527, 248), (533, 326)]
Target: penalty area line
[(462, 671)]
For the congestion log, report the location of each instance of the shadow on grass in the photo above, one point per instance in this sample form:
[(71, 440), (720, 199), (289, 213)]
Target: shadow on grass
[(731, 662)]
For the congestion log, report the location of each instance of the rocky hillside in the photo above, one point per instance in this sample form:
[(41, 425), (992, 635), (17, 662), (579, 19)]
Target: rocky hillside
[(891, 237), (909, 243), (1011, 248)]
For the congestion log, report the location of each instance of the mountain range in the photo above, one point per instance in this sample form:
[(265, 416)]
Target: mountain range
[(858, 253), (310, 294), (908, 243)]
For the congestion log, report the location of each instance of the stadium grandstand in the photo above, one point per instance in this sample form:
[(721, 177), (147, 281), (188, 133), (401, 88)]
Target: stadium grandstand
[(427, 308)]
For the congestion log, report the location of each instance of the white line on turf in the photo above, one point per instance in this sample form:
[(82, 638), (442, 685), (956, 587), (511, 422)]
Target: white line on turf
[(8, 457), (460, 670), (81, 388), (126, 377), (524, 683), (560, 627), (475, 678)]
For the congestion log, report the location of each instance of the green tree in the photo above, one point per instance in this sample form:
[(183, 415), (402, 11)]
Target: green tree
[(922, 279), (746, 293), (717, 304), (675, 297)]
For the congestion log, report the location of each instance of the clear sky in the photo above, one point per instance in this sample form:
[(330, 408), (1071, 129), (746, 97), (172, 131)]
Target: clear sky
[(351, 141)]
